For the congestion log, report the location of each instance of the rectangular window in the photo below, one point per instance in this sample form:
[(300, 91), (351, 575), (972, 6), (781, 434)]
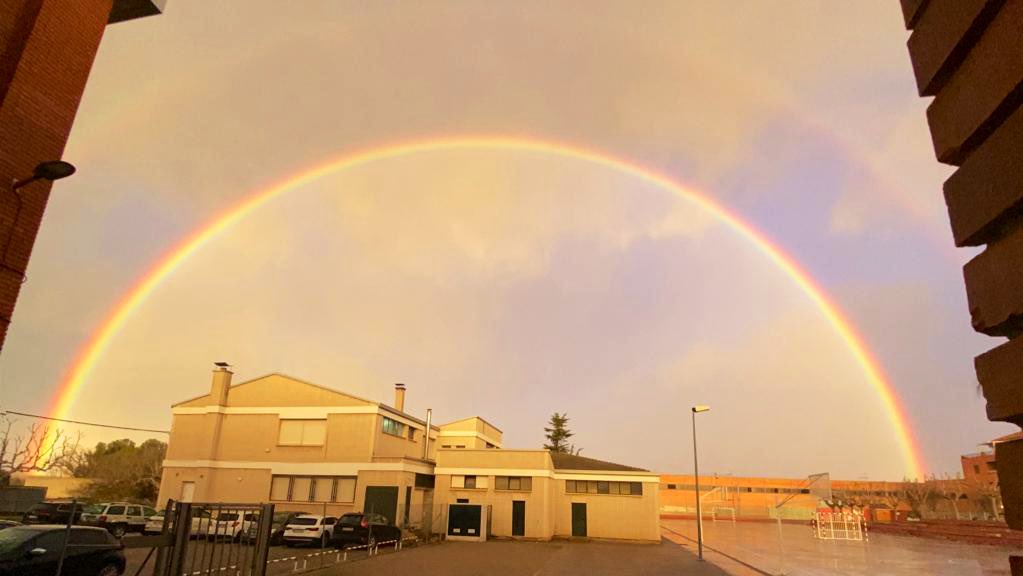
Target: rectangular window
[(312, 489), (411, 433), (520, 483), (280, 487), (470, 481), (302, 432), (672, 487), (323, 490), (345, 490), (300, 489), (603, 487), (393, 427), (458, 481)]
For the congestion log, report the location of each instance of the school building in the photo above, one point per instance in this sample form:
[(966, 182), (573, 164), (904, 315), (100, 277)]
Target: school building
[(309, 448)]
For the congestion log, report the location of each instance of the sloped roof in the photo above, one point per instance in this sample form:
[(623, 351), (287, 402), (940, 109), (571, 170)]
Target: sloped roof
[(1008, 438), (564, 461)]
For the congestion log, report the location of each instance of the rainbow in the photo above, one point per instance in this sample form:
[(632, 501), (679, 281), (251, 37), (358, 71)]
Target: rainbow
[(100, 340)]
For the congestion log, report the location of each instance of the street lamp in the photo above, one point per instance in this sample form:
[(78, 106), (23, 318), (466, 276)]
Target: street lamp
[(696, 474), (50, 170)]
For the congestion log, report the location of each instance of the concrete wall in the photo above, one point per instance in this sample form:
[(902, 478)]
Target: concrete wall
[(610, 515)]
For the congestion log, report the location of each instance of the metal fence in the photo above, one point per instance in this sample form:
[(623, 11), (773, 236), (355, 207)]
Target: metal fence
[(199, 539)]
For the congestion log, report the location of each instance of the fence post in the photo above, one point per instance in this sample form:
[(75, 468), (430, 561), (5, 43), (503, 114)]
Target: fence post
[(262, 543), (182, 528), (67, 537), (161, 552)]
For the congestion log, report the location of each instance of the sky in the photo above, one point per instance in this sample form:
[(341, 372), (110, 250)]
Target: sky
[(510, 284)]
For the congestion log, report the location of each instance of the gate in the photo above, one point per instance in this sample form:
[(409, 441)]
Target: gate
[(829, 525), (199, 539)]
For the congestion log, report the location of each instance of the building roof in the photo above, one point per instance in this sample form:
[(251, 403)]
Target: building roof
[(564, 461), (480, 418), (1008, 438)]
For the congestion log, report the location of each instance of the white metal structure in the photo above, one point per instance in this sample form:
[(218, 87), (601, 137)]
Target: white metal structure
[(844, 525)]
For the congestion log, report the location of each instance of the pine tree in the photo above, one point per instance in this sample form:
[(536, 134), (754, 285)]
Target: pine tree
[(558, 434)]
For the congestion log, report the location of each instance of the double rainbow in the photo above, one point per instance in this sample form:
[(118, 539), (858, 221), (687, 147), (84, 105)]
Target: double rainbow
[(87, 357)]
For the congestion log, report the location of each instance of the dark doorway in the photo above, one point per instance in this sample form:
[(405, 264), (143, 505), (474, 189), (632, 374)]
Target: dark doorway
[(382, 500), (579, 519), (408, 505), (464, 519), (518, 517)]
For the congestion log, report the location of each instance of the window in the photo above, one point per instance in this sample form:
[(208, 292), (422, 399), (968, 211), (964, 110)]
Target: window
[(446, 446), (672, 487), (460, 446), (279, 488), (393, 427), (470, 482), (312, 489), (991, 465), (976, 469), (603, 487), (115, 510), (302, 432), (521, 483), (134, 511), (412, 434)]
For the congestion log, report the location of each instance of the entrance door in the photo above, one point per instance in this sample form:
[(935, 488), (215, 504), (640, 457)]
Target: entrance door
[(579, 519), (408, 505), (382, 500), (187, 491), (518, 517)]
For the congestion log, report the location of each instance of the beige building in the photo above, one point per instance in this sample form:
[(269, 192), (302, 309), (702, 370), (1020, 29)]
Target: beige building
[(308, 448)]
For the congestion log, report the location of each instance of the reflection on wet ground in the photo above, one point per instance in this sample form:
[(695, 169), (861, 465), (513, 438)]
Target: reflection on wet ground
[(797, 553)]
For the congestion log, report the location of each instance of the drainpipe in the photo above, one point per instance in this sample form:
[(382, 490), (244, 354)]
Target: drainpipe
[(426, 436)]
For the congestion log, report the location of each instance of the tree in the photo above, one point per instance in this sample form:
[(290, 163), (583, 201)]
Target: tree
[(38, 448), (558, 435), (953, 490), (917, 494), (120, 470)]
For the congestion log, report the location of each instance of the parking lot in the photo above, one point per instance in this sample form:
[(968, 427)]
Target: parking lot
[(282, 560)]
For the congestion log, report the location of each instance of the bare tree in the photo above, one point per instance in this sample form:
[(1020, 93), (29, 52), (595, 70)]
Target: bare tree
[(37, 448), (918, 494), (953, 490)]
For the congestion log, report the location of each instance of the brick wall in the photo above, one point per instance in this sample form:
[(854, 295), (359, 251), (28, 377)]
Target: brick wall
[(46, 52), (968, 56)]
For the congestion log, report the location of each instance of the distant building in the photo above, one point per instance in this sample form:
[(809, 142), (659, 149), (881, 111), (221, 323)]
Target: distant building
[(980, 468), (309, 448)]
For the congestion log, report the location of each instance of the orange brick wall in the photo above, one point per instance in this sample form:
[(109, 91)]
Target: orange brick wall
[(46, 52)]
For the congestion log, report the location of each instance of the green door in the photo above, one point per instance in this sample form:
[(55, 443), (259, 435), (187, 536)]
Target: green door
[(579, 519), (518, 517), (382, 500)]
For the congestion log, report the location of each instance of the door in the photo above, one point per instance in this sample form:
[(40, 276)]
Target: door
[(187, 491), (408, 505), (518, 517), (382, 500), (428, 511), (579, 519), (135, 519)]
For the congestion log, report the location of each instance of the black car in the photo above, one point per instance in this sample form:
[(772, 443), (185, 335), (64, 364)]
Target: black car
[(52, 512), (35, 551), (357, 529), (280, 521)]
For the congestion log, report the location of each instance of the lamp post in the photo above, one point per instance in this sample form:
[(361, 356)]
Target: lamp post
[(50, 171), (696, 475)]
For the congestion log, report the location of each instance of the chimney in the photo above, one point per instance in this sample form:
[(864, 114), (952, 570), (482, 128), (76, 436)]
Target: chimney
[(221, 383), (399, 397), (426, 436)]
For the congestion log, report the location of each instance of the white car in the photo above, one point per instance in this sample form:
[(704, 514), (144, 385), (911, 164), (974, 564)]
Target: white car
[(118, 518), (201, 521), (232, 525), (309, 529)]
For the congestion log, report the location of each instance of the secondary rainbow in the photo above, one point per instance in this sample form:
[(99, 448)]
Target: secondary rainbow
[(93, 350)]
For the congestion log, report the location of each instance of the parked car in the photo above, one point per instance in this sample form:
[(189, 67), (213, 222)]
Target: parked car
[(52, 512), (279, 523), (232, 525), (35, 551), (118, 517), (201, 520), (309, 529), (358, 529)]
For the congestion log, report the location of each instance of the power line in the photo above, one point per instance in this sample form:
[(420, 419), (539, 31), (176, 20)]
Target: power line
[(79, 422)]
